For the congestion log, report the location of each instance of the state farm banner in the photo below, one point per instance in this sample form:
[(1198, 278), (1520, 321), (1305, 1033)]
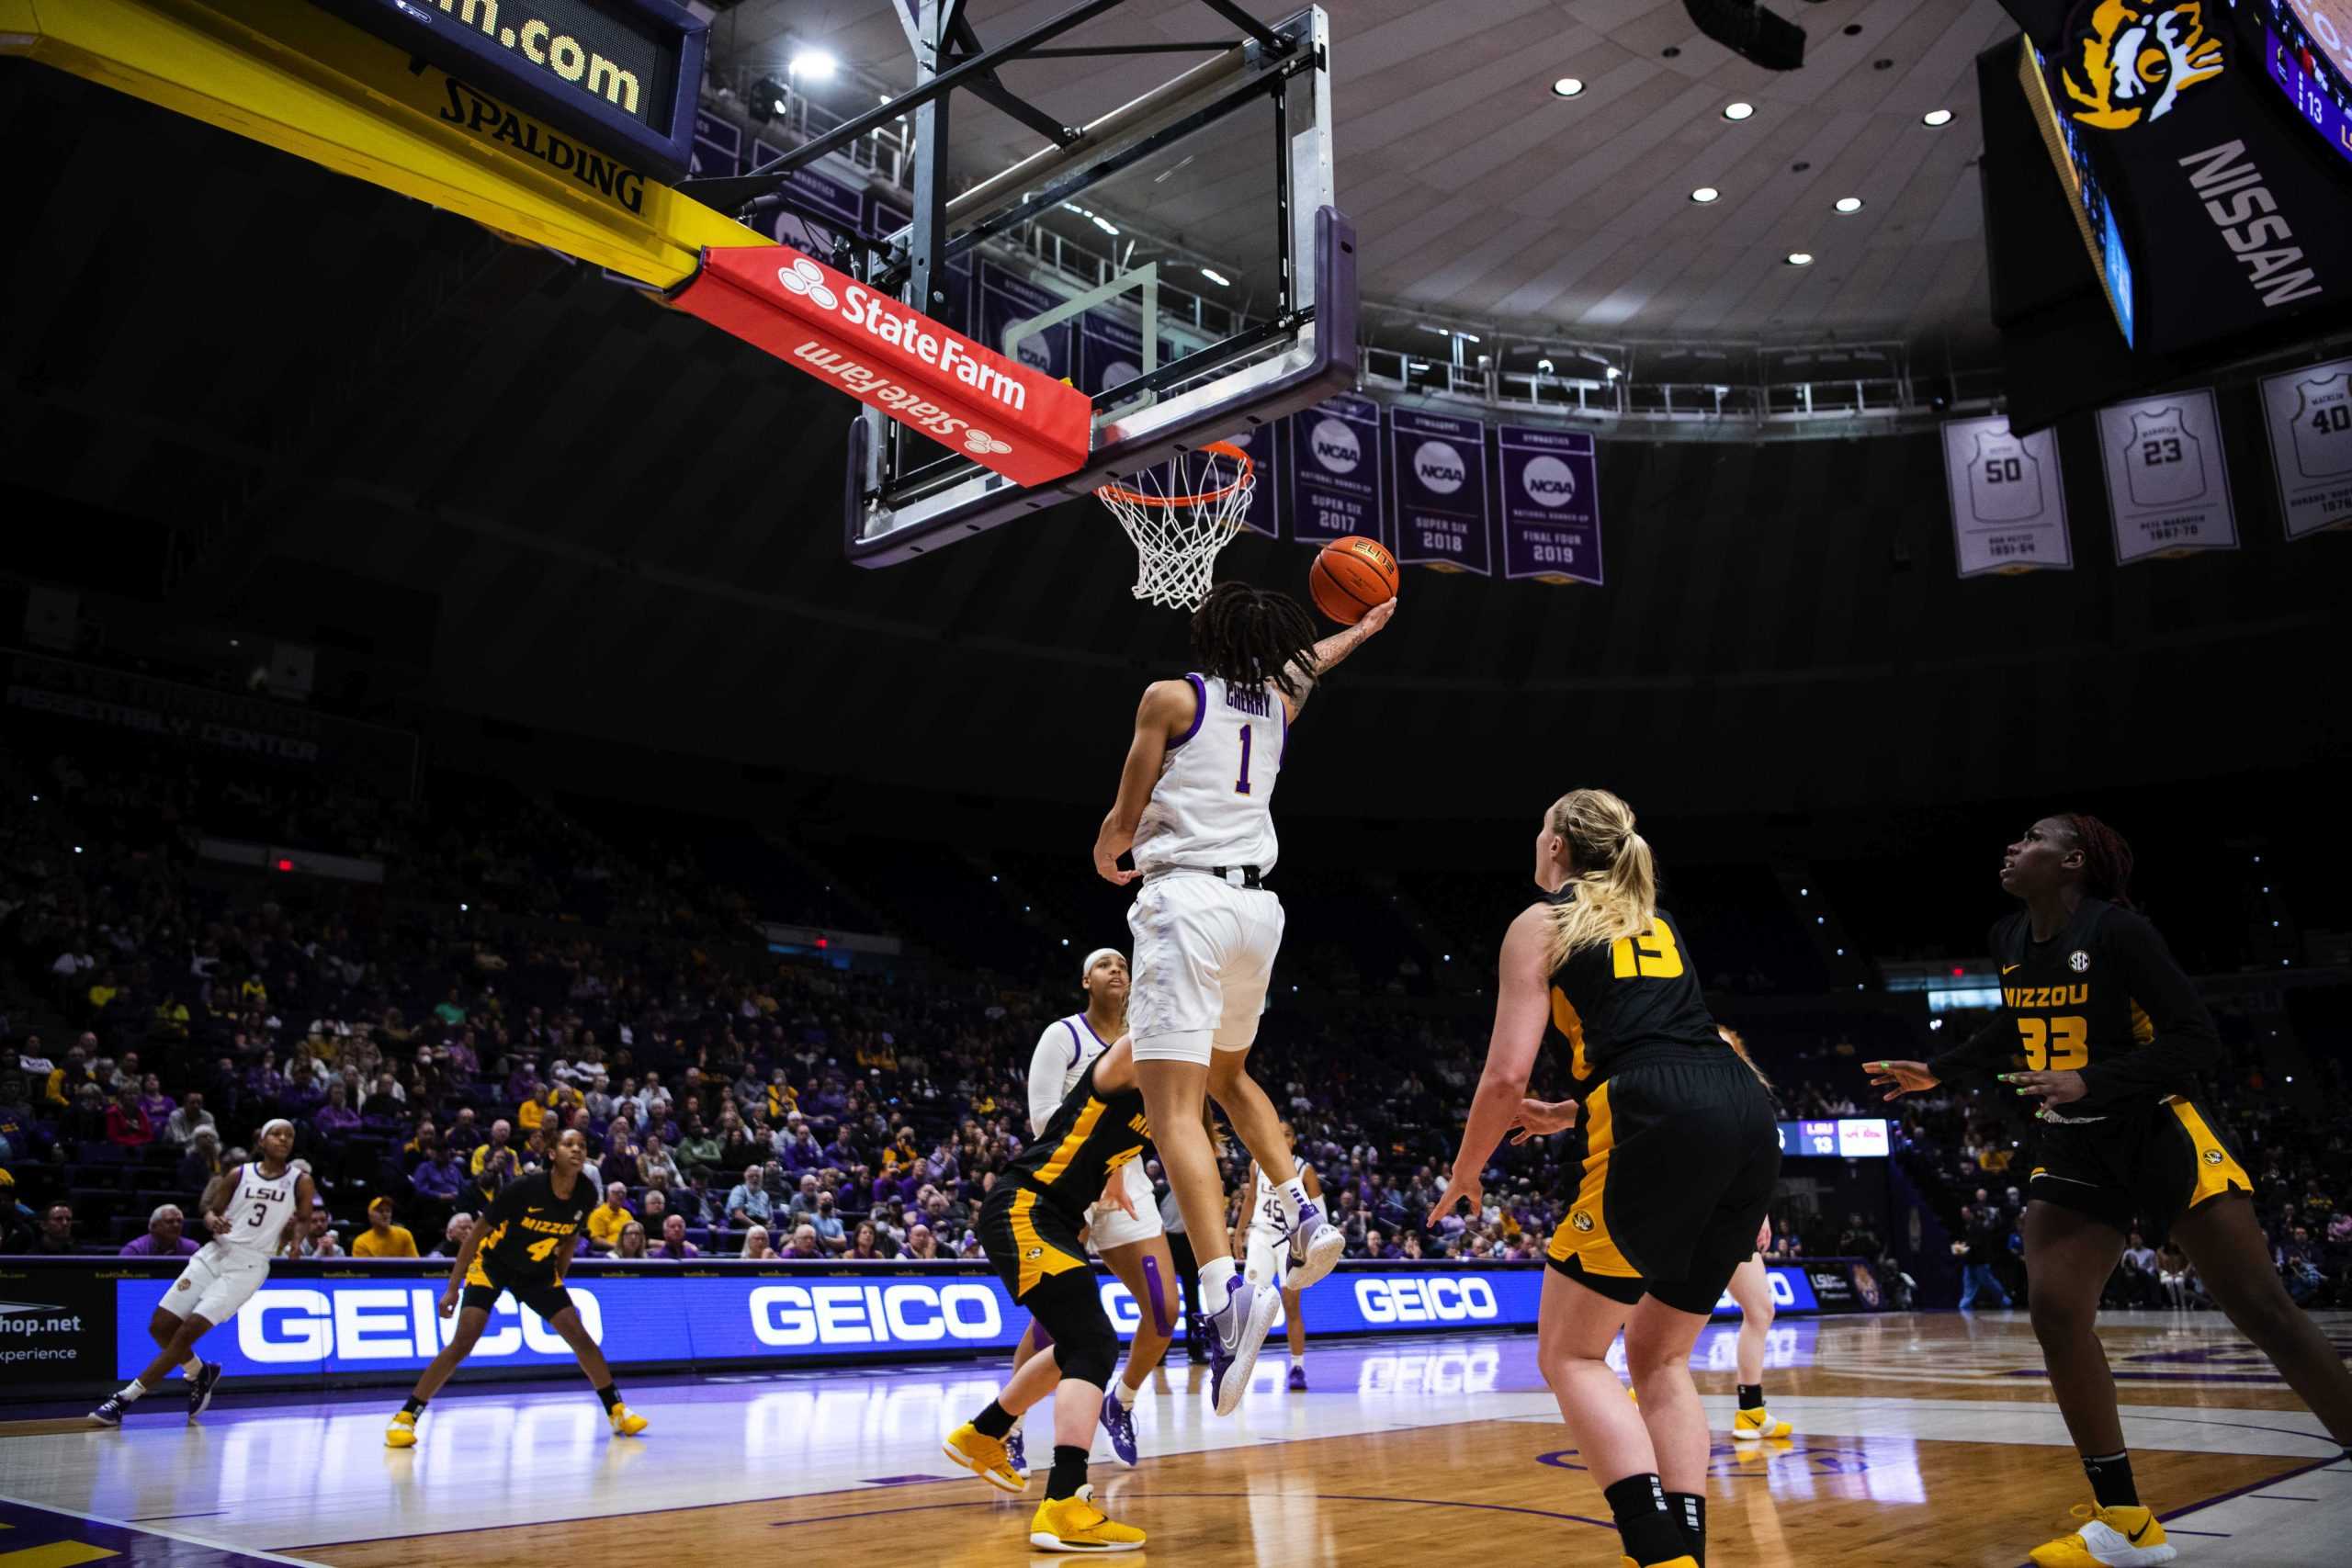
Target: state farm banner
[(1023, 424), (1439, 467), (1550, 502), (1005, 301), (1334, 462), (2008, 501), (2309, 415), (2167, 479)]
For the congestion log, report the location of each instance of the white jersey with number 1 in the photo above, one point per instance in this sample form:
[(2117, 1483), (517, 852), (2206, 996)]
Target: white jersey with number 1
[(1213, 804)]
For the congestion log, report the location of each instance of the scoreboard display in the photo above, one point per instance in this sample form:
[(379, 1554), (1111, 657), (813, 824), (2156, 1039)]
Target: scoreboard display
[(621, 75), (2309, 54)]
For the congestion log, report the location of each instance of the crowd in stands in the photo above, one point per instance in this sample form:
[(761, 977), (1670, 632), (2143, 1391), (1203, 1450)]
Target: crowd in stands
[(519, 974)]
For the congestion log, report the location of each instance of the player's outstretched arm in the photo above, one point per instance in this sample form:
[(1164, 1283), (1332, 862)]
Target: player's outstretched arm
[(1521, 1003), (1167, 709), (1339, 644)]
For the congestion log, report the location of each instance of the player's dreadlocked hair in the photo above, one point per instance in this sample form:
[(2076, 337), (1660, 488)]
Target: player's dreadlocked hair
[(2107, 859), (1248, 635)]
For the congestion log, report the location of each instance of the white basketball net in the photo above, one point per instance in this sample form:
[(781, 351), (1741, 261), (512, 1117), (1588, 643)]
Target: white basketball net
[(1179, 514)]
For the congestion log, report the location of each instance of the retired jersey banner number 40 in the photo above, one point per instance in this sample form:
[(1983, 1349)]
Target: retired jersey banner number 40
[(2308, 414), (2008, 503), (2167, 479)]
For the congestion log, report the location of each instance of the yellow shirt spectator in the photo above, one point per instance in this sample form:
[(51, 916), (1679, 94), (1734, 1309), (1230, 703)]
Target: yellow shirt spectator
[(393, 1241), (100, 995), (530, 1115), (605, 1221)]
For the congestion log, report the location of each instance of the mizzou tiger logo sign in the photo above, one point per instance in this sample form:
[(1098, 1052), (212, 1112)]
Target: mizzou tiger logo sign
[(2129, 61)]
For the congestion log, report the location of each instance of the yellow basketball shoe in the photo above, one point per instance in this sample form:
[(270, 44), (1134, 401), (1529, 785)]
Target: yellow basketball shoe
[(2108, 1538), (1075, 1524), (401, 1433), (1749, 1424), (986, 1458), (1686, 1559), (626, 1422)]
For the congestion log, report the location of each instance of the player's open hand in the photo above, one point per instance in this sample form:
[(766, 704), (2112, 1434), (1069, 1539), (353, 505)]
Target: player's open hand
[(217, 1223), (1899, 1078), (1116, 1194), (1378, 615), (1542, 1118), (1458, 1188), (449, 1301), (2051, 1088)]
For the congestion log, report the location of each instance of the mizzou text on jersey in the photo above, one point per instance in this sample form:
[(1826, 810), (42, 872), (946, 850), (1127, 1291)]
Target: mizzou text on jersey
[(529, 1243)]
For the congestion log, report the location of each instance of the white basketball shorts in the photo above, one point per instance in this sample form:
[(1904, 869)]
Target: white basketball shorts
[(1204, 956), (213, 1288), (1108, 1227)]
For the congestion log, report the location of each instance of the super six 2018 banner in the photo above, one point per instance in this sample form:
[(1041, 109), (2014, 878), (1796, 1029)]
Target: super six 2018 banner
[(1439, 467)]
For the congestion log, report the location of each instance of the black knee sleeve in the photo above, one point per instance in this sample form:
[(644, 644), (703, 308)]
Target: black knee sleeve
[(1085, 1344)]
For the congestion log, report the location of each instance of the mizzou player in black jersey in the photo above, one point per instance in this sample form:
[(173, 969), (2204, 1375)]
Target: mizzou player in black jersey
[(1029, 1226), (524, 1245), (2102, 1029), (1680, 1156)]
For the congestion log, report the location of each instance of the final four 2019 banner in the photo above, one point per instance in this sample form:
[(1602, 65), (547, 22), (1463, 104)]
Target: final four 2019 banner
[(1439, 467), (1334, 462), (1551, 504)]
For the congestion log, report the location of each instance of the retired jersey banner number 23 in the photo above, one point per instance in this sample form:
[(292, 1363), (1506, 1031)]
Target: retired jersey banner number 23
[(2168, 477), (2008, 503)]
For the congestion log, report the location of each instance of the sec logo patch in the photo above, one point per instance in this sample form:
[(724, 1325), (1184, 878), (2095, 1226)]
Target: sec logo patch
[(2078, 961), (1582, 1220)]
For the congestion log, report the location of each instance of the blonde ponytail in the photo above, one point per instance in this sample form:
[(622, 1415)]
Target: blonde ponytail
[(1614, 891)]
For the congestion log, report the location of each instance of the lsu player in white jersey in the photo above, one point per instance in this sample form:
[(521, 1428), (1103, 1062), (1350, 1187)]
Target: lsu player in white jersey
[(1265, 1255), (1134, 1245), (250, 1209), (1196, 808)]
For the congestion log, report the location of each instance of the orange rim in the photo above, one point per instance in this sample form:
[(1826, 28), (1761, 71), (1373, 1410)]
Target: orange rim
[(1216, 448)]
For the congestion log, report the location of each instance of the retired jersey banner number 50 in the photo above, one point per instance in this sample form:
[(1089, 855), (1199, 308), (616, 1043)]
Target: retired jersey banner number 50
[(2008, 503)]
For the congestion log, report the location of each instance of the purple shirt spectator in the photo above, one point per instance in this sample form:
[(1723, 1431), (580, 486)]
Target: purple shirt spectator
[(439, 1178), (148, 1247)]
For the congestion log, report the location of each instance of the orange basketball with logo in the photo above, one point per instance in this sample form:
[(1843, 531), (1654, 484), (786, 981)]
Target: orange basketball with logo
[(1349, 576)]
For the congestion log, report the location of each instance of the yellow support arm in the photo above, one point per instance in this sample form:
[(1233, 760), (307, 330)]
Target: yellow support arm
[(288, 73)]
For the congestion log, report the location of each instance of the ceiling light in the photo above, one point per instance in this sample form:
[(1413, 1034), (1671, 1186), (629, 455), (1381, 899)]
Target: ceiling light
[(1738, 111), (1543, 366), (1216, 277), (1799, 258), (1935, 117), (1704, 195), (1850, 204), (1612, 372), (1104, 223), (815, 64), (1568, 87)]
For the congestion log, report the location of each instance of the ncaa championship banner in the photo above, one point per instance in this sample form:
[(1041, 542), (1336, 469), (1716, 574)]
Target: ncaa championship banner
[(1333, 460), (1550, 506), (2008, 500), (1441, 486), (2167, 479), (2309, 415)]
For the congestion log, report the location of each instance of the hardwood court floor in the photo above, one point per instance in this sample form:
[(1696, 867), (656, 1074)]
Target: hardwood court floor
[(1922, 1439)]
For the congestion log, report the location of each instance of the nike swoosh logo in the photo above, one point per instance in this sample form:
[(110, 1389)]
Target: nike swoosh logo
[(2006, 967), (2144, 1529), (530, 1211)]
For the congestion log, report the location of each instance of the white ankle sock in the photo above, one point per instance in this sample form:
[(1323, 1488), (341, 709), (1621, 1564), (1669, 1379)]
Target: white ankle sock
[(1294, 1198), (131, 1390), (1296, 1362), (193, 1365), (1214, 1276), (1122, 1396)]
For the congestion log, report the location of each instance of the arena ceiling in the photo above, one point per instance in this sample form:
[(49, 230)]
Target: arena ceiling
[(480, 478), (1481, 195)]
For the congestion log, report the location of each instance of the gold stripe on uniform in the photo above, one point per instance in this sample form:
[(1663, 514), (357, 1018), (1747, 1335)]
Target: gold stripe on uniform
[(475, 1273), (1568, 1021), (2216, 1172), (1039, 1258), (1068, 1152), (1585, 1233), (2143, 1028)]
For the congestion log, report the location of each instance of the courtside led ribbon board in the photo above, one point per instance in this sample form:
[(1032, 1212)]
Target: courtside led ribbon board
[(2167, 480), (1440, 474), (2309, 415), (974, 401), (2009, 502), (1550, 494)]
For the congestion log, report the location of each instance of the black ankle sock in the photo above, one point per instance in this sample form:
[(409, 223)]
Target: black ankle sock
[(994, 1422), (1069, 1472), (1751, 1396), (1691, 1509), (2111, 1480), (611, 1395), (1651, 1534), (415, 1406)]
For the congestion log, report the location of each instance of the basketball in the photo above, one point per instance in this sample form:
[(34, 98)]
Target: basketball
[(1349, 576)]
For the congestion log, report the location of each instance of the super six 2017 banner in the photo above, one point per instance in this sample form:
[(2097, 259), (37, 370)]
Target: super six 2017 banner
[(1333, 459)]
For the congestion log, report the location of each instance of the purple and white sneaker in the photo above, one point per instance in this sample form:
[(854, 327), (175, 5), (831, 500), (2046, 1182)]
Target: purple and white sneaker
[(1237, 1333), (1013, 1453), (1120, 1423), (1315, 1247), (1298, 1379)]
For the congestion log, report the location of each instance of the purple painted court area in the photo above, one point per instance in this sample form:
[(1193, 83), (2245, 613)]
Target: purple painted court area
[(28, 1528)]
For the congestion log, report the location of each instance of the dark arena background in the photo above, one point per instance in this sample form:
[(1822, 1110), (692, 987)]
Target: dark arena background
[(452, 697)]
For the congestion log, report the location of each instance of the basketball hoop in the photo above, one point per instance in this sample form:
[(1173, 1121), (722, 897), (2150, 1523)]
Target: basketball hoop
[(1179, 521)]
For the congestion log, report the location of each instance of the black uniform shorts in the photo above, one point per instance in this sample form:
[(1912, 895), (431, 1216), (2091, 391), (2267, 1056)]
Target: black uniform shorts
[(2137, 1167), (1034, 1249), (1681, 1152), (545, 1297)]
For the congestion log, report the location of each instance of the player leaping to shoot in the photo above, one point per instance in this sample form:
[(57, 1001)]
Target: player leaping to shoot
[(524, 1245), (248, 1208), (1196, 807)]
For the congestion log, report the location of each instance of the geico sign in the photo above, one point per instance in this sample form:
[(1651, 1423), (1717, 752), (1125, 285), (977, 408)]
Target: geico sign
[(785, 1315), (1435, 1299), (288, 1323)]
